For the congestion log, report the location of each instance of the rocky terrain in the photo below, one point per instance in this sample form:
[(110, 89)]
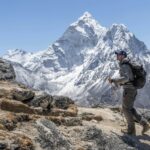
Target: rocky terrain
[(33, 120)]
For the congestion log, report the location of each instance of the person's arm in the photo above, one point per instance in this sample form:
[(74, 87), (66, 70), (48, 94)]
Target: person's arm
[(127, 75)]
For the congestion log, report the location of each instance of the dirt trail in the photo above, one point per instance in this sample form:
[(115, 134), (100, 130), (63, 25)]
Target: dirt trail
[(113, 122)]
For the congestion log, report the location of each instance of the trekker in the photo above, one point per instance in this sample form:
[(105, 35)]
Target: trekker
[(129, 95)]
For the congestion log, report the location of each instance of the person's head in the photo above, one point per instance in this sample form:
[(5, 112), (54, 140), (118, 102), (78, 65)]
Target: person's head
[(121, 55)]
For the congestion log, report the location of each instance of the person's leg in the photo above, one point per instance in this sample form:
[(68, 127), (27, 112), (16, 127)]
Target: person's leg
[(127, 107), (140, 119), (129, 96), (136, 115)]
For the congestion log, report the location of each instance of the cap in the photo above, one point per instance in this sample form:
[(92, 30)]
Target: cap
[(121, 53)]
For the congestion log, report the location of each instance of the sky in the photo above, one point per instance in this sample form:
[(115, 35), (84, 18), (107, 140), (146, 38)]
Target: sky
[(33, 25)]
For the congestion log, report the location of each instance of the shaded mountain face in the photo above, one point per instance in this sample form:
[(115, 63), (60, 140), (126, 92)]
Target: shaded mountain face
[(6, 71), (80, 61)]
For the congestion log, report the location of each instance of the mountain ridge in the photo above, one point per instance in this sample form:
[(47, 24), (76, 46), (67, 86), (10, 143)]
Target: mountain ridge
[(79, 62)]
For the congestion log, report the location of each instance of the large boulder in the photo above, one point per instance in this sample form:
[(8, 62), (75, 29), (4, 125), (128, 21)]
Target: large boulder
[(17, 107), (62, 102), (6, 70), (42, 100), (22, 95)]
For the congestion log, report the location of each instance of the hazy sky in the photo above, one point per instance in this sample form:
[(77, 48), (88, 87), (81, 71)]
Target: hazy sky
[(35, 24)]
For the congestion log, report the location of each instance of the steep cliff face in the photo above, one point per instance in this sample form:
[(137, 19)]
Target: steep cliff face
[(78, 63)]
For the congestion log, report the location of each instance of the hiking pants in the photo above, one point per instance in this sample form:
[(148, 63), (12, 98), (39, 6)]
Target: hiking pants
[(129, 96)]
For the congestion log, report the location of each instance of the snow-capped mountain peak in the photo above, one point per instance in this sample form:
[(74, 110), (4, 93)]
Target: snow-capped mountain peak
[(87, 21), (80, 36), (86, 18), (86, 15)]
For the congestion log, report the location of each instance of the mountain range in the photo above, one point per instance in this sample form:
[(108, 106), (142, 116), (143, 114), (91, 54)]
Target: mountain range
[(79, 63)]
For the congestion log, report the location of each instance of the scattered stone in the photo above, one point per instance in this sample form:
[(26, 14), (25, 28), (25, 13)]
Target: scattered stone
[(66, 121), (90, 116), (72, 112), (73, 121), (116, 109)]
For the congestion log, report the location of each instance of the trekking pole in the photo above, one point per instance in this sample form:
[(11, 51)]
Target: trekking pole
[(114, 87)]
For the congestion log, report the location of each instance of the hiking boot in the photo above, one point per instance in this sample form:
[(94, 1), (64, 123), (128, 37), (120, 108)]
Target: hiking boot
[(129, 132), (146, 127)]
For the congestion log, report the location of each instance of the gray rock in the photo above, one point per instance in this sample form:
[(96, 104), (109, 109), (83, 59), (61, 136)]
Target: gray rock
[(50, 138), (62, 102), (73, 121), (6, 70), (45, 101), (23, 96)]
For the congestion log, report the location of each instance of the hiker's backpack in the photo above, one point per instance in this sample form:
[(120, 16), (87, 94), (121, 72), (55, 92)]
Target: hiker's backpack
[(139, 74)]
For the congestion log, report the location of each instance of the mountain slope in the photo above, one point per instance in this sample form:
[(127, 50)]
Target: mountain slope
[(78, 63)]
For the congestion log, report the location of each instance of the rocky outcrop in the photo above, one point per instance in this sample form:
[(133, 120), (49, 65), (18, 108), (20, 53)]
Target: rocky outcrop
[(6, 70)]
